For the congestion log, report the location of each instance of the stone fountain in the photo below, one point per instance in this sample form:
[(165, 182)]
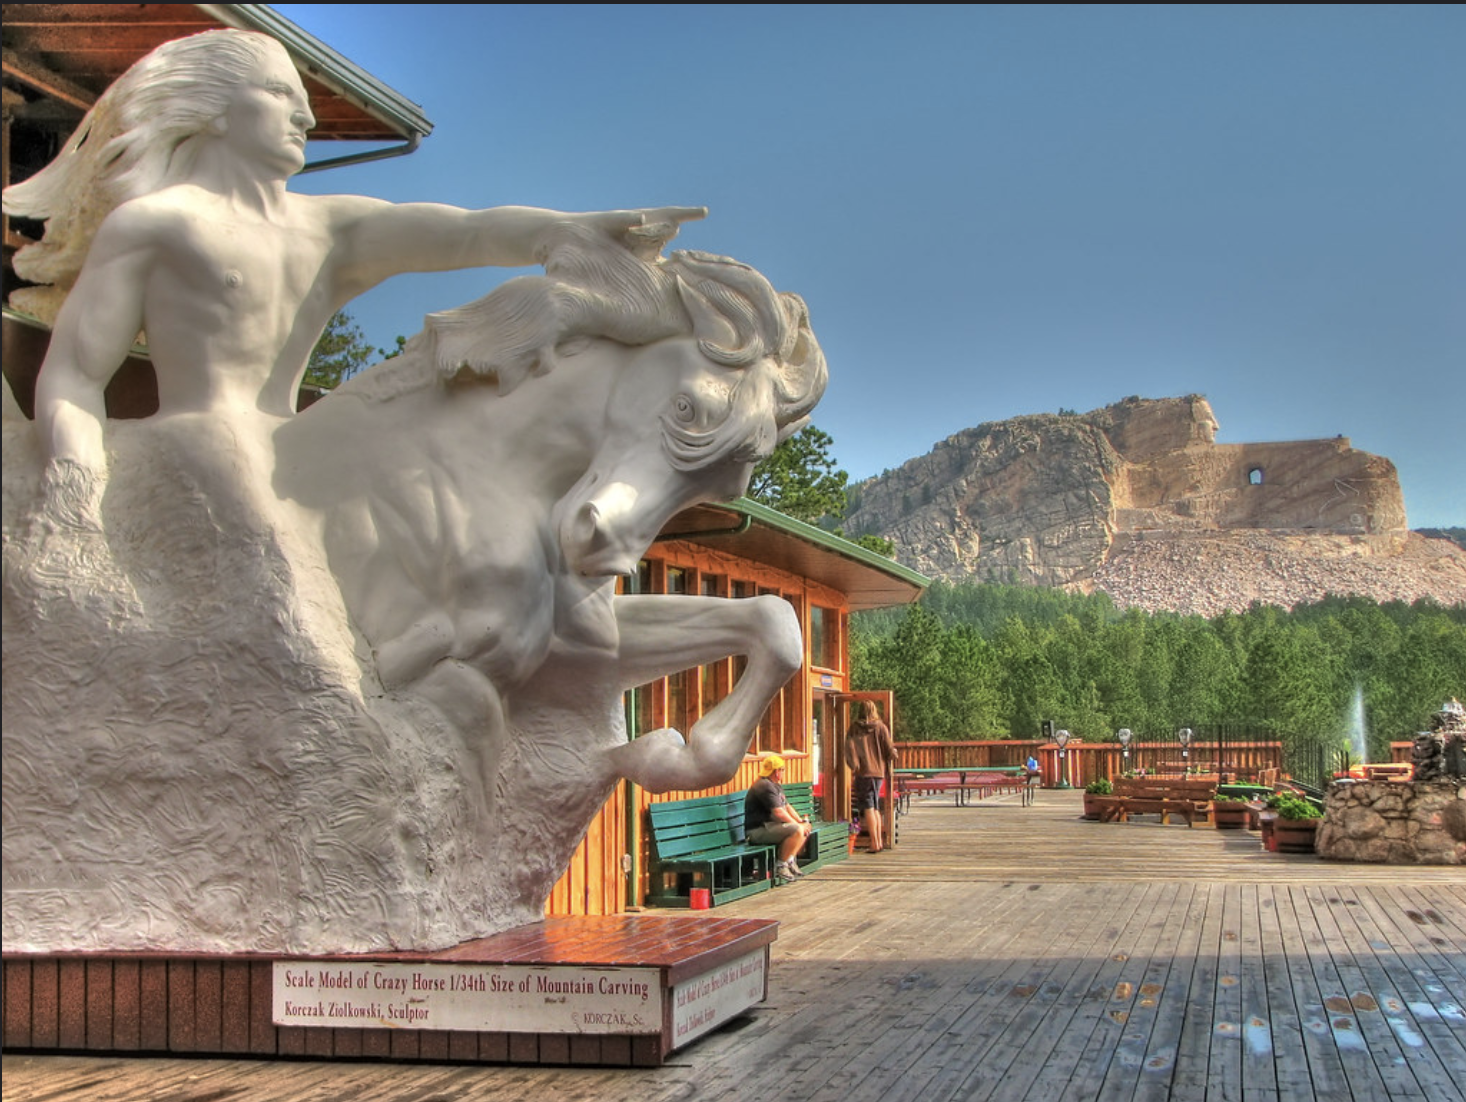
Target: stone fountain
[(1417, 822)]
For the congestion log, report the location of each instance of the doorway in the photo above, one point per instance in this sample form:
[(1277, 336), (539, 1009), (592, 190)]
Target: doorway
[(835, 713)]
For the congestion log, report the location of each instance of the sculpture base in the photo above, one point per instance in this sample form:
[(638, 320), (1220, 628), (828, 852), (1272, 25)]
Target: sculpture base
[(619, 990)]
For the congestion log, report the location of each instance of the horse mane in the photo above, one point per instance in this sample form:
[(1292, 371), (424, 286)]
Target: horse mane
[(595, 287)]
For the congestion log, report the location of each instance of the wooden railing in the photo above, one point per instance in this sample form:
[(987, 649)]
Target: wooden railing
[(966, 755), (1088, 761)]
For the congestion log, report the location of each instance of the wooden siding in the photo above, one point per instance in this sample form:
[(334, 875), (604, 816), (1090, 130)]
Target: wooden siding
[(595, 883)]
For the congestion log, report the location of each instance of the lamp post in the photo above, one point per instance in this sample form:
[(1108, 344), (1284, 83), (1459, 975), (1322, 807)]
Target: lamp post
[(1184, 735), (1123, 734), (1062, 738)]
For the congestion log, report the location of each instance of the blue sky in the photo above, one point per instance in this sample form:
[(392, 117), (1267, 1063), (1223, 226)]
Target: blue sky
[(996, 211)]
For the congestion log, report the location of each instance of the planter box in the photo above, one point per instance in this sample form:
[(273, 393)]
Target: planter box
[(1230, 816), (1266, 821), (1295, 835)]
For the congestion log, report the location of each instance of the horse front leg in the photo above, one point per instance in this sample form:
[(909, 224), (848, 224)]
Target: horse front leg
[(662, 635)]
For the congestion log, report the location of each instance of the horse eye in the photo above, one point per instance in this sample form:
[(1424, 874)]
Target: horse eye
[(683, 409)]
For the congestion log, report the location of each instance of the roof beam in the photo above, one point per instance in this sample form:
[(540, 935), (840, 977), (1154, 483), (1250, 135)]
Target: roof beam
[(29, 71)]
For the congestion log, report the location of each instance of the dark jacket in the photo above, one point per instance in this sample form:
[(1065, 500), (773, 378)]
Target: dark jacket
[(869, 749)]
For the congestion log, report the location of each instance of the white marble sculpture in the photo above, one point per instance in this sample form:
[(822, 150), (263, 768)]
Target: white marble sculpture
[(351, 679)]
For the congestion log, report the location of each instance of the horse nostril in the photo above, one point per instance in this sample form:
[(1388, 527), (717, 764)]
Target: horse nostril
[(584, 525)]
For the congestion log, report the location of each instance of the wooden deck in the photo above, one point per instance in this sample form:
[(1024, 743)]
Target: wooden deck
[(1005, 952)]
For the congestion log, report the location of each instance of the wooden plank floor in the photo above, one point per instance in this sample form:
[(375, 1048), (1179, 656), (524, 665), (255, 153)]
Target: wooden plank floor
[(1007, 953)]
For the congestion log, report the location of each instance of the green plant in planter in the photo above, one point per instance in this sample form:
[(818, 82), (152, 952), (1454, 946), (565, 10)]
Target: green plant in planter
[(1296, 823), (1100, 787), (1230, 812), (1294, 808)]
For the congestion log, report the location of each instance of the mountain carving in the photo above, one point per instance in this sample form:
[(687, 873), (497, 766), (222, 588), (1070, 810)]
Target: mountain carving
[(1137, 499)]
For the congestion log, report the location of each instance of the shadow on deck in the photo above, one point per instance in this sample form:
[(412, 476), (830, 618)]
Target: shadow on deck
[(1002, 952)]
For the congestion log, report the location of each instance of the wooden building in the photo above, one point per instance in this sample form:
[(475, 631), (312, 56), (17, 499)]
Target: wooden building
[(59, 58), (740, 550)]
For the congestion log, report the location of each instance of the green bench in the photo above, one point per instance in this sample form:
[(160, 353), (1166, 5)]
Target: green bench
[(827, 841), (695, 847), (699, 843)]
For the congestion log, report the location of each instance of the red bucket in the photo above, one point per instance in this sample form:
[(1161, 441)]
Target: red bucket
[(700, 899)]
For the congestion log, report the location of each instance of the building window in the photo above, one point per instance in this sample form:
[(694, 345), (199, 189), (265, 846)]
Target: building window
[(715, 675), (682, 687), (641, 711), (824, 637)]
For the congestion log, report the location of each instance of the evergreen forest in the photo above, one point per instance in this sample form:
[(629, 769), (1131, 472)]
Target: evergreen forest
[(974, 661)]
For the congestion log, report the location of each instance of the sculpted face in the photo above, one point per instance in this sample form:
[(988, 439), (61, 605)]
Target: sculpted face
[(269, 116)]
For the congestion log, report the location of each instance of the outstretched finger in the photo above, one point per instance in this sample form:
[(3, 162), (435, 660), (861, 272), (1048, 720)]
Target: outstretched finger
[(674, 214)]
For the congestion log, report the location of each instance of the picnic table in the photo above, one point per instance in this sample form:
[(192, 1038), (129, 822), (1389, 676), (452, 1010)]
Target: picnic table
[(1190, 798), (963, 781)]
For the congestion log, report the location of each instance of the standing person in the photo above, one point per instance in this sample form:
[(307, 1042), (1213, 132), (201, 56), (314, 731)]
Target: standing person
[(768, 820), (870, 753)]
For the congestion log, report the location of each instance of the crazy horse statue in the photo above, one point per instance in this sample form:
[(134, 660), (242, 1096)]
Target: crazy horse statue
[(227, 766), (351, 680)]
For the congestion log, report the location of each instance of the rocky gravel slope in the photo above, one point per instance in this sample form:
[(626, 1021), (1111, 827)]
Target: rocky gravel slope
[(1210, 573)]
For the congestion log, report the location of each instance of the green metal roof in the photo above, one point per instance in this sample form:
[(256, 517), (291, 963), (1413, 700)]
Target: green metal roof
[(756, 532)]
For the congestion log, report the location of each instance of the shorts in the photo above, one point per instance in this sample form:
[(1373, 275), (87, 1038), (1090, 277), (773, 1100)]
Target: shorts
[(867, 794), (771, 834)]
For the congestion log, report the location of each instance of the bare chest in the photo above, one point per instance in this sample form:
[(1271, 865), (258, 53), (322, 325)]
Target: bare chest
[(241, 271)]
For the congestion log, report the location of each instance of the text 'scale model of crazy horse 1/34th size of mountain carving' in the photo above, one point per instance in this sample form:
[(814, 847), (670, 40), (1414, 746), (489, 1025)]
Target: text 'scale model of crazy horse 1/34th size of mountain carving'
[(351, 679)]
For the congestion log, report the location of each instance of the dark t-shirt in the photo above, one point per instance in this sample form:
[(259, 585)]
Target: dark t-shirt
[(759, 804)]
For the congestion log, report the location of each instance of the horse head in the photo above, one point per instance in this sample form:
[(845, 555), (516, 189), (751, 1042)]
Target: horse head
[(535, 442), (689, 416)]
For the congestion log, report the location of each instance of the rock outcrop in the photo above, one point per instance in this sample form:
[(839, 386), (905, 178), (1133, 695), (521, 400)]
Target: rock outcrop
[(1138, 499)]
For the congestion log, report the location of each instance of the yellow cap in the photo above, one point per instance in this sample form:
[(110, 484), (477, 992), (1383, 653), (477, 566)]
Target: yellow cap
[(769, 764)]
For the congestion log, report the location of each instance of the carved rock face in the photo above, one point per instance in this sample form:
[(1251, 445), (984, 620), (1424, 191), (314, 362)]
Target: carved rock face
[(1138, 500)]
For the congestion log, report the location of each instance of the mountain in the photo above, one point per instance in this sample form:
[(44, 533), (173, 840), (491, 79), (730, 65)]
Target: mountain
[(1137, 499)]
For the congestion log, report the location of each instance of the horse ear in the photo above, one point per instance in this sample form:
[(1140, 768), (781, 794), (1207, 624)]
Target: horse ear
[(716, 335), (791, 428)]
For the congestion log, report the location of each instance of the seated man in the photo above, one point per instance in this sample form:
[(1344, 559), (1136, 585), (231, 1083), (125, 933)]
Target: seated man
[(770, 821)]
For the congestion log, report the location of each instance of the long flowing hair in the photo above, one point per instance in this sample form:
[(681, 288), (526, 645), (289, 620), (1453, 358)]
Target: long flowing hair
[(134, 141)]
